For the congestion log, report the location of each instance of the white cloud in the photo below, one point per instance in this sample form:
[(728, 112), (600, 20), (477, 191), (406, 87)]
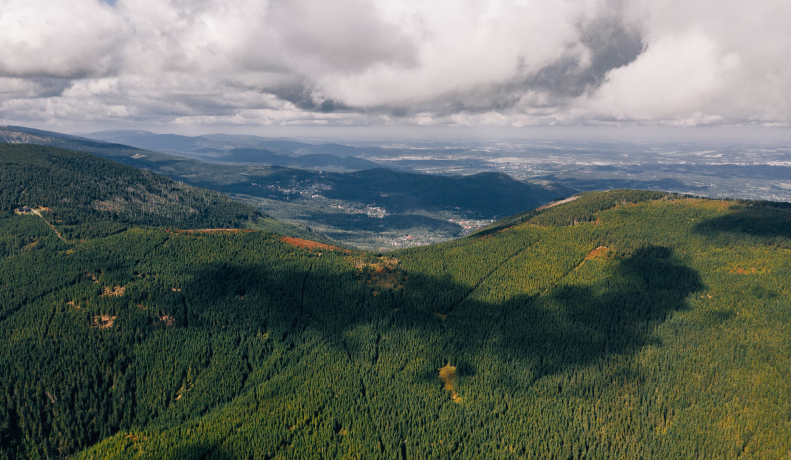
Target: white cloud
[(72, 38), (463, 45), (677, 76), (452, 62)]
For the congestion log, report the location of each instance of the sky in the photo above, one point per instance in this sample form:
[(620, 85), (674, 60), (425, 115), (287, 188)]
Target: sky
[(258, 66)]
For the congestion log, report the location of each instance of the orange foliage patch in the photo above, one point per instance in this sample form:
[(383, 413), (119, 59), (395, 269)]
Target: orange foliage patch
[(135, 438), (741, 271), (596, 252), (448, 375), (307, 244)]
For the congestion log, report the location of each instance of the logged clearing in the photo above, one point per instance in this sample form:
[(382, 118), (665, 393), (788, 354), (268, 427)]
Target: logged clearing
[(117, 291), (307, 244), (380, 266), (103, 321), (448, 375), (167, 320), (385, 273)]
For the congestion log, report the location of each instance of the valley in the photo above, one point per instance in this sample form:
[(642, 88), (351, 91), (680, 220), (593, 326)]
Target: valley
[(376, 209)]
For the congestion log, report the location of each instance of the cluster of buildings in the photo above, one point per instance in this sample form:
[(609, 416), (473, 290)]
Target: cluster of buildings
[(470, 225)]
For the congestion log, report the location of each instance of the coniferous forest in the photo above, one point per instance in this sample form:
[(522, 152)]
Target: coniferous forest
[(141, 318)]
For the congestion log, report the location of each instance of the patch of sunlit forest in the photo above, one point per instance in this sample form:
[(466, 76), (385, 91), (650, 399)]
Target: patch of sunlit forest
[(623, 324)]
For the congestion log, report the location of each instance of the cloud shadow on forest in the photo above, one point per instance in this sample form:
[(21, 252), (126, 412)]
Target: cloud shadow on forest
[(542, 335), (567, 326), (768, 220)]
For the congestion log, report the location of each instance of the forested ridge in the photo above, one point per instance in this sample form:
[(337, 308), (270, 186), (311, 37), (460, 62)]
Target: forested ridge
[(84, 196), (623, 324)]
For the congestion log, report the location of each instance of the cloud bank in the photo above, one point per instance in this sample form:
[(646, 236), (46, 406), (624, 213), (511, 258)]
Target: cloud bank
[(405, 62)]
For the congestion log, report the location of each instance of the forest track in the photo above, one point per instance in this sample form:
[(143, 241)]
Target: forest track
[(38, 213), (489, 275), (370, 416), (593, 255)]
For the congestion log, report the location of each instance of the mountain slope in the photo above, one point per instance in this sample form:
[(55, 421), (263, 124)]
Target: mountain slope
[(655, 327)]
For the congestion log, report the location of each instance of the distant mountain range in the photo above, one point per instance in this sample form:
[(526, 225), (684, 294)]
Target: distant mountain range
[(215, 148), (247, 149), (309, 161)]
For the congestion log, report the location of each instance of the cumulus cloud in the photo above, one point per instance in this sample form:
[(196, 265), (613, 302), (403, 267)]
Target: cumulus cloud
[(369, 62), (77, 38), (704, 63)]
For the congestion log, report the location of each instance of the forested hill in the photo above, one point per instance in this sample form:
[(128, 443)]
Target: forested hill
[(619, 325), (83, 195), (484, 194)]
